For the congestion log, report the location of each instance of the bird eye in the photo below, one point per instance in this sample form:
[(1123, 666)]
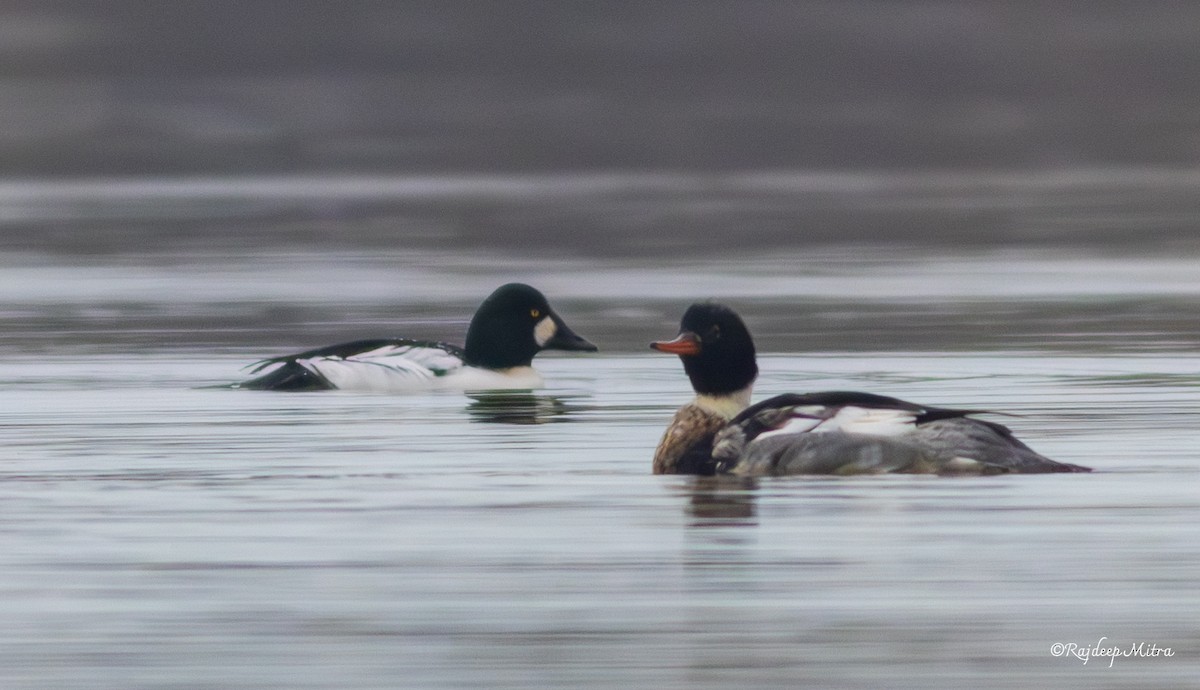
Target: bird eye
[(715, 331), (535, 312)]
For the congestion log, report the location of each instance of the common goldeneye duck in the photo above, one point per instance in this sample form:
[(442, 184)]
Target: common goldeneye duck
[(834, 432), (511, 326)]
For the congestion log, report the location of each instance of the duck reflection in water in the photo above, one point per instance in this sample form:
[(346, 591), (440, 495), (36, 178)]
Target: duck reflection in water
[(518, 407), (722, 501)]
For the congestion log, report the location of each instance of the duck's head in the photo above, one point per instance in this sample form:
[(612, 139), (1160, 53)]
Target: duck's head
[(716, 349), (512, 325), (718, 355)]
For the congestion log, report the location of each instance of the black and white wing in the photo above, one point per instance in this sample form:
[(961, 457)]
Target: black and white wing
[(841, 432), (366, 365), (835, 432)]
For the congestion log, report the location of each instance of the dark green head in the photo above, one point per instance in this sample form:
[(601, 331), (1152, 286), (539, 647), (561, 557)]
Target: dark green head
[(716, 349), (512, 325)]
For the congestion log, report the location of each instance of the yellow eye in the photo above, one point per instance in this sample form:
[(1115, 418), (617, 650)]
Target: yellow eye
[(535, 313)]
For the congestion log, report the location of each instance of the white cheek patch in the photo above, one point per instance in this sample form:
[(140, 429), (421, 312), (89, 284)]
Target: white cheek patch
[(544, 331)]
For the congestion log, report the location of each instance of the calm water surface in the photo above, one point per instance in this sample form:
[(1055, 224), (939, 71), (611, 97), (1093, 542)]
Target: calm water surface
[(159, 534)]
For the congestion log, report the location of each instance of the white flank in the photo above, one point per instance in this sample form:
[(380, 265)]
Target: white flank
[(960, 464), (407, 368), (475, 379), (544, 331)]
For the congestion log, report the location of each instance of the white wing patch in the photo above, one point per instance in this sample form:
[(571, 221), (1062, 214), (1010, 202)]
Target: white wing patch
[(870, 420), (850, 419), (795, 425), (388, 368)]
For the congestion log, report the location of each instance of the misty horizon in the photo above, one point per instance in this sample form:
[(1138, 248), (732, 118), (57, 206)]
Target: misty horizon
[(263, 86)]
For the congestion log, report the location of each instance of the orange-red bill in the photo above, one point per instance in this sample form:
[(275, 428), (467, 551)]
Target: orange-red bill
[(686, 344)]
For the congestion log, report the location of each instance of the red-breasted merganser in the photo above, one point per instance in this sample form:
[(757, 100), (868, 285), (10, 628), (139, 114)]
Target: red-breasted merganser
[(834, 432)]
